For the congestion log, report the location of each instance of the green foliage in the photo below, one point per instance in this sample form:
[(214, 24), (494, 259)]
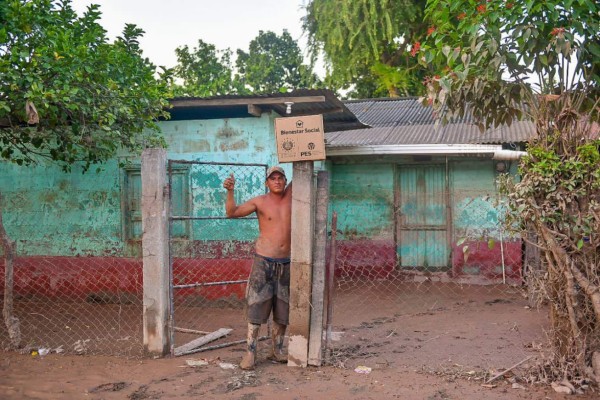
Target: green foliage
[(68, 95), (204, 72), (558, 199), (274, 63), (368, 86), (481, 55), (368, 41), (560, 191)]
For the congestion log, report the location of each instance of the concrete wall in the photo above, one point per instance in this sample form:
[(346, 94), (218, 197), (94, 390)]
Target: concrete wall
[(70, 236), (236, 140), (48, 212), (363, 197), (477, 220), (70, 231)]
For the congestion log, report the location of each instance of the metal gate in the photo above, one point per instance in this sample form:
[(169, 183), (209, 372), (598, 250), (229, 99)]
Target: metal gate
[(210, 255)]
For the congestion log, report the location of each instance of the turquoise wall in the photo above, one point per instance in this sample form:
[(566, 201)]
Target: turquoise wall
[(49, 212), (474, 199), (236, 140), (247, 140), (363, 197)]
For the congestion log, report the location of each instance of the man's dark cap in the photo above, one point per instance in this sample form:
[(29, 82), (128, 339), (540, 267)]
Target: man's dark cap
[(275, 168)]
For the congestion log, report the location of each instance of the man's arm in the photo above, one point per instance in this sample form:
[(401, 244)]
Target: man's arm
[(288, 189), (231, 208)]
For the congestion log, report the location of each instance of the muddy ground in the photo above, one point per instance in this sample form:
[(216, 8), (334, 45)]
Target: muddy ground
[(447, 351)]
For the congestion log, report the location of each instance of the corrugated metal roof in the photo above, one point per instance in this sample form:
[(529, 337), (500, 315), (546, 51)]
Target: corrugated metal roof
[(406, 121), (390, 112), (336, 116)]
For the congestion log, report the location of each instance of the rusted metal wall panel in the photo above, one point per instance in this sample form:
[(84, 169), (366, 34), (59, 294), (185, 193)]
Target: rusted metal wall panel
[(422, 216)]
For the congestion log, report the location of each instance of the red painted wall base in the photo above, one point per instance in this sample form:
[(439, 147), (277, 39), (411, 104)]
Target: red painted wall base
[(113, 279)]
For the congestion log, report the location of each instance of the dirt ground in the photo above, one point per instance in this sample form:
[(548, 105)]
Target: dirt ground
[(444, 352)]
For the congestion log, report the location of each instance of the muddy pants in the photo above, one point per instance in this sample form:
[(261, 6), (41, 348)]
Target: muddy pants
[(268, 289)]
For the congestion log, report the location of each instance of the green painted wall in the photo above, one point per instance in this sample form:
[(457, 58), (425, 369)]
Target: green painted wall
[(474, 199), (49, 212), (363, 197), (239, 140)]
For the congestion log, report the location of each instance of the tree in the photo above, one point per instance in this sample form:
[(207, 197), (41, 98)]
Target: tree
[(481, 57), (69, 96), (66, 93), (274, 63), (204, 72), (368, 41), (492, 50)]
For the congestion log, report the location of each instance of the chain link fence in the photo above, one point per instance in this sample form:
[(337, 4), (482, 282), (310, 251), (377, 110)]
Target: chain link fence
[(77, 305), (397, 258), (211, 255), (94, 305), (403, 258)]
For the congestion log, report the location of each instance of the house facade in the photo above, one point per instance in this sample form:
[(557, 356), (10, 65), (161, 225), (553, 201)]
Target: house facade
[(79, 235), (412, 200), (419, 202)]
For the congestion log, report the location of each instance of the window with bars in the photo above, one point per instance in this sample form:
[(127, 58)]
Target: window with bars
[(132, 202)]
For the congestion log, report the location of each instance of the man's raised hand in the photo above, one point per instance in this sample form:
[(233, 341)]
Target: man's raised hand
[(229, 183)]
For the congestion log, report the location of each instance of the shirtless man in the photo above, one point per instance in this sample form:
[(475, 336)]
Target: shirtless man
[(269, 282)]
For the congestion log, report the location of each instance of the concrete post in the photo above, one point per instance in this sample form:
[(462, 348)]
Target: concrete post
[(315, 344), (301, 263), (155, 249)]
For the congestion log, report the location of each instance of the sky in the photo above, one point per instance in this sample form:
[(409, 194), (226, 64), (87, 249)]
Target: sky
[(175, 23)]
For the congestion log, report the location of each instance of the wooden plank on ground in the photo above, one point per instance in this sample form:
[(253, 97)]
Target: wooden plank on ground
[(194, 344), (184, 330)]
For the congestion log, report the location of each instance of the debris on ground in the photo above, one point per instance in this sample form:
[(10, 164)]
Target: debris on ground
[(224, 365), (109, 387), (246, 378), (361, 369), (563, 386), (196, 363)]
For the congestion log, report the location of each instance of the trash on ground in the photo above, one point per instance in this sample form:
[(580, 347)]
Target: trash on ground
[(196, 363), (43, 351), (563, 387), (227, 366), (335, 336)]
